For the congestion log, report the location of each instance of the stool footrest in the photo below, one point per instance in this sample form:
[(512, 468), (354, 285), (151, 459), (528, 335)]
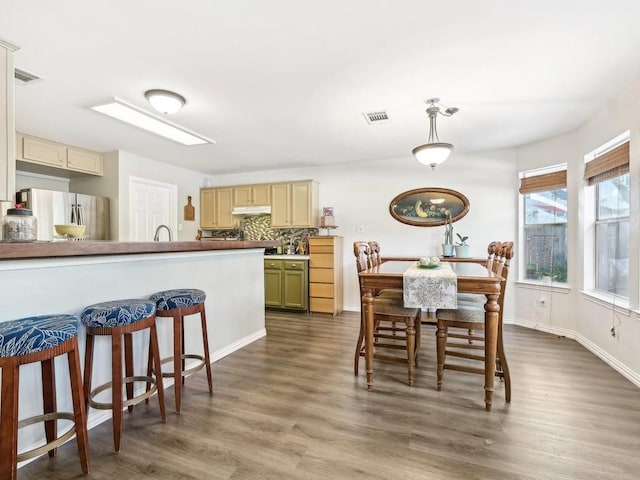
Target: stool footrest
[(36, 452), (128, 402), (187, 371)]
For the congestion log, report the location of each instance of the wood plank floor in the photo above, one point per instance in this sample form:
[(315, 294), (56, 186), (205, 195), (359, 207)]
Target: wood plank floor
[(289, 407)]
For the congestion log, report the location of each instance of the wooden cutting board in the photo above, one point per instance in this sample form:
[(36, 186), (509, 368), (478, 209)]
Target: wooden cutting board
[(189, 210)]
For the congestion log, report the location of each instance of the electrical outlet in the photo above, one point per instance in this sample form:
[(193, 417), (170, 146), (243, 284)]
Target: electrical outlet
[(541, 302), (179, 227), (360, 229)]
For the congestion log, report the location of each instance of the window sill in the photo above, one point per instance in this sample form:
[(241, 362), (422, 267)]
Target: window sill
[(618, 304), (533, 285)]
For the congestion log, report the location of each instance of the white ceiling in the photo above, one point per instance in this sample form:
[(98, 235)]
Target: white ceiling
[(284, 83)]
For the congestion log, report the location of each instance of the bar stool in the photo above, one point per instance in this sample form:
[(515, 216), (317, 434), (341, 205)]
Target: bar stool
[(40, 339), (117, 319), (177, 304)]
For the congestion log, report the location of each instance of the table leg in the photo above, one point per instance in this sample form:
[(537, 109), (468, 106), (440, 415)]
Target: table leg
[(367, 304), (491, 316)]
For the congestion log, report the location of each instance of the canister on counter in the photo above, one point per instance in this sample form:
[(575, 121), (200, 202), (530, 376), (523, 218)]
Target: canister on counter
[(19, 225)]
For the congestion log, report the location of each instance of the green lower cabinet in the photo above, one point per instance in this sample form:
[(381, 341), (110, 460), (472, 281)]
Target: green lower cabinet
[(286, 284)]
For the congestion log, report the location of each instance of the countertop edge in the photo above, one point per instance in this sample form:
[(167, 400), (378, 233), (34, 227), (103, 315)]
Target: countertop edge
[(22, 251)]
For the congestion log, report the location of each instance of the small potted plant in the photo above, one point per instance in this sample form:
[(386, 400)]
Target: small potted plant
[(447, 246), (462, 249)]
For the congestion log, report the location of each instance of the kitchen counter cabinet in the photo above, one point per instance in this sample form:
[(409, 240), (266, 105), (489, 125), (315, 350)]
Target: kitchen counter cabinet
[(325, 275), (216, 205), (286, 284)]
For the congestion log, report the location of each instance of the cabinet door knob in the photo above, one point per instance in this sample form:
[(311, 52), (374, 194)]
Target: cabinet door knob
[(293, 265)]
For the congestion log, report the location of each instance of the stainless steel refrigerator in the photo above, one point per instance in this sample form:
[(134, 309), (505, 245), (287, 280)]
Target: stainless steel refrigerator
[(51, 208)]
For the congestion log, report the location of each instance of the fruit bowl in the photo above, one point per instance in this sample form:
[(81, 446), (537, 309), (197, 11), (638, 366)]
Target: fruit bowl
[(429, 262), (70, 230)]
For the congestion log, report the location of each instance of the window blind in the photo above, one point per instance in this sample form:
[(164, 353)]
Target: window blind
[(609, 165), (541, 183)]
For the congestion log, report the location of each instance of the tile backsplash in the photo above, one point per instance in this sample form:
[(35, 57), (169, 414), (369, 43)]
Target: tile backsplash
[(258, 227)]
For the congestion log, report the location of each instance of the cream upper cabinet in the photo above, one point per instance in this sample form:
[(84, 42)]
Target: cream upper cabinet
[(84, 161), (249, 195), (294, 205), (38, 150), (216, 205), (52, 154)]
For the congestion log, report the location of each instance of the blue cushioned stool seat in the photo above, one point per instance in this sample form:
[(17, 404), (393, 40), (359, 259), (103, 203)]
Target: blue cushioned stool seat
[(117, 313), (178, 303), (35, 334), (120, 319), (40, 340), (178, 298)]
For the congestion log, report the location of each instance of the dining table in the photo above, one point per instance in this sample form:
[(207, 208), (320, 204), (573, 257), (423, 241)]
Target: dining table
[(471, 277)]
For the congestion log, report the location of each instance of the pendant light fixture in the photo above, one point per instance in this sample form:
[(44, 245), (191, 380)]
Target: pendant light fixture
[(164, 101), (434, 152)]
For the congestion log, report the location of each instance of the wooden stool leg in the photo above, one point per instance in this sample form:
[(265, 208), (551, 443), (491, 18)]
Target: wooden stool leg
[(128, 365), (116, 385), (88, 365), (9, 420), (149, 371), (49, 401), (155, 349), (205, 341), (79, 410), (183, 364), (177, 359)]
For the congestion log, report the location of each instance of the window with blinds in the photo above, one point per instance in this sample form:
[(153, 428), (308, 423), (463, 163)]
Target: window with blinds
[(608, 173), (544, 200)]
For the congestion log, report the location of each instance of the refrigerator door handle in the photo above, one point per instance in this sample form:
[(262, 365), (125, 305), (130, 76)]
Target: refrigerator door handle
[(79, 215), (74, 216)]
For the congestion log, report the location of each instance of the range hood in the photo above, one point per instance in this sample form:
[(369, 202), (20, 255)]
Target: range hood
[(253, 210)]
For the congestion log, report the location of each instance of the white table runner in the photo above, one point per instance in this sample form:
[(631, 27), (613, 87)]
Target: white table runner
[(430, 287)]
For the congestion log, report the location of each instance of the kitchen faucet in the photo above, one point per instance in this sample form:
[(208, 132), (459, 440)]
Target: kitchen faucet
[(156, 237)]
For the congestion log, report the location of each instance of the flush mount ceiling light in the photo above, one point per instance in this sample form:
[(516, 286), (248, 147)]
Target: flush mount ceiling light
[(132, 115), (434, 152), (165, 101)]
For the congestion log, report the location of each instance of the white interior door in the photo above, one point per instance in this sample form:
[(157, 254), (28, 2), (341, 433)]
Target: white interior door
[(151, 204)]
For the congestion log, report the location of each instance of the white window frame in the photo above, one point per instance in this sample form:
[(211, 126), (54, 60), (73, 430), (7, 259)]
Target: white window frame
[(522, 229), (589, 234)]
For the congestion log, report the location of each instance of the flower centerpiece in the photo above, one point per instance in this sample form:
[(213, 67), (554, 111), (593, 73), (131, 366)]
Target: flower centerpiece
[(447, 246)]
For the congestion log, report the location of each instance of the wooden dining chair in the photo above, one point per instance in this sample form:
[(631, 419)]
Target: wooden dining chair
[(375, 259), (388, 310), (470, 316)]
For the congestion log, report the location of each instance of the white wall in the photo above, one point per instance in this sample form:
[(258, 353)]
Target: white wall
[(361, 192), (567, 311), (119, 166)]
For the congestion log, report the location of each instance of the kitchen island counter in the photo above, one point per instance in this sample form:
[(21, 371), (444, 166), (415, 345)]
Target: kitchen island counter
[(65, 277), (15, 251)]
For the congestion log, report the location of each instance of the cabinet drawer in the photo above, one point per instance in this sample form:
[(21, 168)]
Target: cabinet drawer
[(321, 305), (273, 264), (320, 248), (294, 264), (321, 275), (324, 290), (321, 260), (321, 241)]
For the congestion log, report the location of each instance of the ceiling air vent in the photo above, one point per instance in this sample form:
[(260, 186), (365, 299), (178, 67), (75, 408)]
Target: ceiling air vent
[(377, 118), (24, 76)]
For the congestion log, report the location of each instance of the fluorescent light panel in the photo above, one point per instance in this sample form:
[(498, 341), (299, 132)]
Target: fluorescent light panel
[(132, 115)]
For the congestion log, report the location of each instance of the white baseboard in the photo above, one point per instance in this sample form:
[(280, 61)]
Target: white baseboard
[(614, 363)]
